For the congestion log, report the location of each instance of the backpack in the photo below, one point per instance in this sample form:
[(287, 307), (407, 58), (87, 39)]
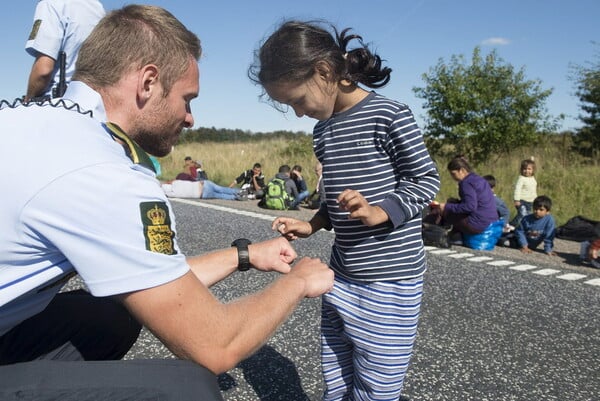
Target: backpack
[(276, 197), (579, 229), (436, 235)]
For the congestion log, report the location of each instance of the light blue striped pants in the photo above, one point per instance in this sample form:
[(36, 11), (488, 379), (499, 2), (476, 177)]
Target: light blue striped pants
[(367, 335)]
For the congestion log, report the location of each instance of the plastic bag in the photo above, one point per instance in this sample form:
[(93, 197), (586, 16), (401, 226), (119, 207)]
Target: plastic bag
[(486, 240)]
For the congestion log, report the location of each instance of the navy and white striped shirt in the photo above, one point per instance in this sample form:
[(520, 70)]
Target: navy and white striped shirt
[(376, 148)]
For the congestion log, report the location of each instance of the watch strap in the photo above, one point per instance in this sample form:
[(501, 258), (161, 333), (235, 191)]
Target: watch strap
[(243, 255)]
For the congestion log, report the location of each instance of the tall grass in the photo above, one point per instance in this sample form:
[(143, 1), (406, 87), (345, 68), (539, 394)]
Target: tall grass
[(572, 183), (223, 162)]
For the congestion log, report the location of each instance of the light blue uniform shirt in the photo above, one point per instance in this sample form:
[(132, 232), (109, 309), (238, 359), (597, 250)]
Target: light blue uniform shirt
[(62, 25), (77, 203)]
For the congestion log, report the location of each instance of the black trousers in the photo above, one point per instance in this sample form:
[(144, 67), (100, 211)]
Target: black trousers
[(72, 351)]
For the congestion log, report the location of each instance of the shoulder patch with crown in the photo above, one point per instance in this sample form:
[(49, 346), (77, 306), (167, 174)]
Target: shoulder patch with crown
[(157, 227)]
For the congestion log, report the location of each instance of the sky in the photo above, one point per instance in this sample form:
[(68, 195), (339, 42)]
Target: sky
[(545, 38)]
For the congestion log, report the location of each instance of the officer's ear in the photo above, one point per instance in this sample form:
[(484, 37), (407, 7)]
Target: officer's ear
[(148, 84)]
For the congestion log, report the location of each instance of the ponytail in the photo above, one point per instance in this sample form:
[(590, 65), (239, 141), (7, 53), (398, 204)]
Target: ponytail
[(361, 64)]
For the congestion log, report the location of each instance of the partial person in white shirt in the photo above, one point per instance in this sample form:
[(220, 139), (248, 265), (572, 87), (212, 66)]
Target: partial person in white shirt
[(59, 26)]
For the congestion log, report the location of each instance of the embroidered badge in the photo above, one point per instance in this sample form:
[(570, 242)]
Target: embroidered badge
[(157, 227), (35, 29)]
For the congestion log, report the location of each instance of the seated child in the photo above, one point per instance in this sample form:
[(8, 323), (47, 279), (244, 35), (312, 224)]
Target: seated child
[(590, 252), (537, 227), (501, 208)]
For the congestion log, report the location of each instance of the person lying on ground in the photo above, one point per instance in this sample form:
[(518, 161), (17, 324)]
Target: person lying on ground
[(198, 190)]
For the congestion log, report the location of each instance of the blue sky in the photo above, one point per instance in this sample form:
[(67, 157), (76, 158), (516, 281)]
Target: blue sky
[(543, 37)]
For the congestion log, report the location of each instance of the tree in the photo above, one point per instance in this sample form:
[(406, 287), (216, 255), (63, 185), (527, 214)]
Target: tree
[(481, 109), (587, 89)]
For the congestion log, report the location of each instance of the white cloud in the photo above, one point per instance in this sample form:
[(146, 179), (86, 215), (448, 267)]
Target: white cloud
[(495, 42)]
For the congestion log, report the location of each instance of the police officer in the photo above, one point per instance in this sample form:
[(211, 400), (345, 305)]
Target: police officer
[(97, 210), (58, 26)]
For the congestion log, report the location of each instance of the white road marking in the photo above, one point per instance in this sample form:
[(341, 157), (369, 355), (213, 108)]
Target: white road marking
[(546, 272), (480, 259), (443, 251), (224, 209), (523, 267), (501, 263), (571, 276), (461, 255)]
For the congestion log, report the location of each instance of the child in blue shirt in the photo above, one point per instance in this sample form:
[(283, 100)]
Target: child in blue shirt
[(501, 208), (537, 227)]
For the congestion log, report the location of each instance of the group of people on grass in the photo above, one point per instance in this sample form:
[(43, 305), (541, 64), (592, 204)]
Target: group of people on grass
[(193, 182), (478, 208)]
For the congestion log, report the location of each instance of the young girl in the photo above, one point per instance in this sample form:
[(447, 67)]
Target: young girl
[(378, 177), (525, 191)]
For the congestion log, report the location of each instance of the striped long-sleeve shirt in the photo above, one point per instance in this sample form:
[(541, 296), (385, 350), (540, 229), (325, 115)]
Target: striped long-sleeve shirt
[(376, 148)]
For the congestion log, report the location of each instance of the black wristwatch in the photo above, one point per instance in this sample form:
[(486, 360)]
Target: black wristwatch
[(243, 256)]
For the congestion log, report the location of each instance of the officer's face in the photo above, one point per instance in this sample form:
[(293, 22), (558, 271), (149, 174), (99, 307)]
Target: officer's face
[(166, 117)]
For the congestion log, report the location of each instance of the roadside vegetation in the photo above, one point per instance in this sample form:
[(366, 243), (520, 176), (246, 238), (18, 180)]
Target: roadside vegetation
[(569, 179)]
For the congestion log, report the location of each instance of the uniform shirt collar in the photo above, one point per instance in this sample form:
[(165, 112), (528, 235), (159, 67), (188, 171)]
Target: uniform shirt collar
[(87, 99)]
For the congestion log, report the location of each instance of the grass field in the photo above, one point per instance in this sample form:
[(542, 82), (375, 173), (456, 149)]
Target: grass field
[(572, 183)]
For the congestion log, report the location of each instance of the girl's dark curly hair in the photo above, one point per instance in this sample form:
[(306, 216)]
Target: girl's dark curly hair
[(293, 51)]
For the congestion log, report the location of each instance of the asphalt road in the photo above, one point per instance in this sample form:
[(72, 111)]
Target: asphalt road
[(494, 326)]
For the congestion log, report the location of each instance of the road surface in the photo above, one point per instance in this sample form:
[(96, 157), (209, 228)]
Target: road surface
[(495, 325)]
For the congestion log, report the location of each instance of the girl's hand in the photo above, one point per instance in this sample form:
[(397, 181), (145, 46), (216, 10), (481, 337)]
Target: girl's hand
[(352, 201), (291, 228)]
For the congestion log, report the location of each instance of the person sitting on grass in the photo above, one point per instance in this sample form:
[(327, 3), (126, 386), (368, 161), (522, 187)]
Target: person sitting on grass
[(315, 198), (252, 180), (475, 209), (589, 252), (301, 186), (503, 214), (501, 208), (192, 170), (537, 227)]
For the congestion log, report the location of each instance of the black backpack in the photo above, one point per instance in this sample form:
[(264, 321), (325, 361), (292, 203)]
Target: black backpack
[(436, 235), (579, 229)]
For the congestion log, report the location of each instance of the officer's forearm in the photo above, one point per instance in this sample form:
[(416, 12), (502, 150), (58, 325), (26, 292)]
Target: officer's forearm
[(40, 76)]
